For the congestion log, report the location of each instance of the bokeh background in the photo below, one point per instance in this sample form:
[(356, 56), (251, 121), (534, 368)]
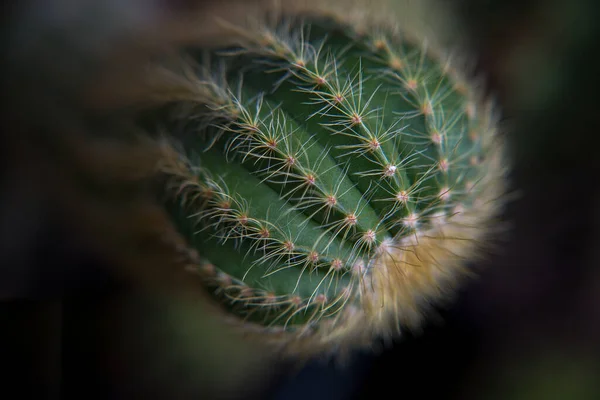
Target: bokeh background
[(528, 327)]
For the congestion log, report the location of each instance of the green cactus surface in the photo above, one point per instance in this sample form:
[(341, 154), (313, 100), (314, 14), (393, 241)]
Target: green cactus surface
[(333, 180)]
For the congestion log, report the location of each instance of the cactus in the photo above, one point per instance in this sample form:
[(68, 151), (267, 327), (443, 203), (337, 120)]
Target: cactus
[(331, 179)]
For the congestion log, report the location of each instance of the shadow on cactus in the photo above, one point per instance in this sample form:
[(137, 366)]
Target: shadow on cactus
[(330, 180)]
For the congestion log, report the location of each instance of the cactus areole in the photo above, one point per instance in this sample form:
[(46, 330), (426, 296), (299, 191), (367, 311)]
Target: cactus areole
[(333, 181)]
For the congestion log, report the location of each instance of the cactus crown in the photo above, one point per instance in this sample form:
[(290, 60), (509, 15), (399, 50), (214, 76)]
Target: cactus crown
[(329, 178)]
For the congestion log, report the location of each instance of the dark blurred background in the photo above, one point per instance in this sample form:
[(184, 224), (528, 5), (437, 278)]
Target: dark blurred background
[(528, 327)]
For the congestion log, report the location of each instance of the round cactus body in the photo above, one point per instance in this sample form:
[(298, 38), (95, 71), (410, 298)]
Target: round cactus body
[(333, 180)]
